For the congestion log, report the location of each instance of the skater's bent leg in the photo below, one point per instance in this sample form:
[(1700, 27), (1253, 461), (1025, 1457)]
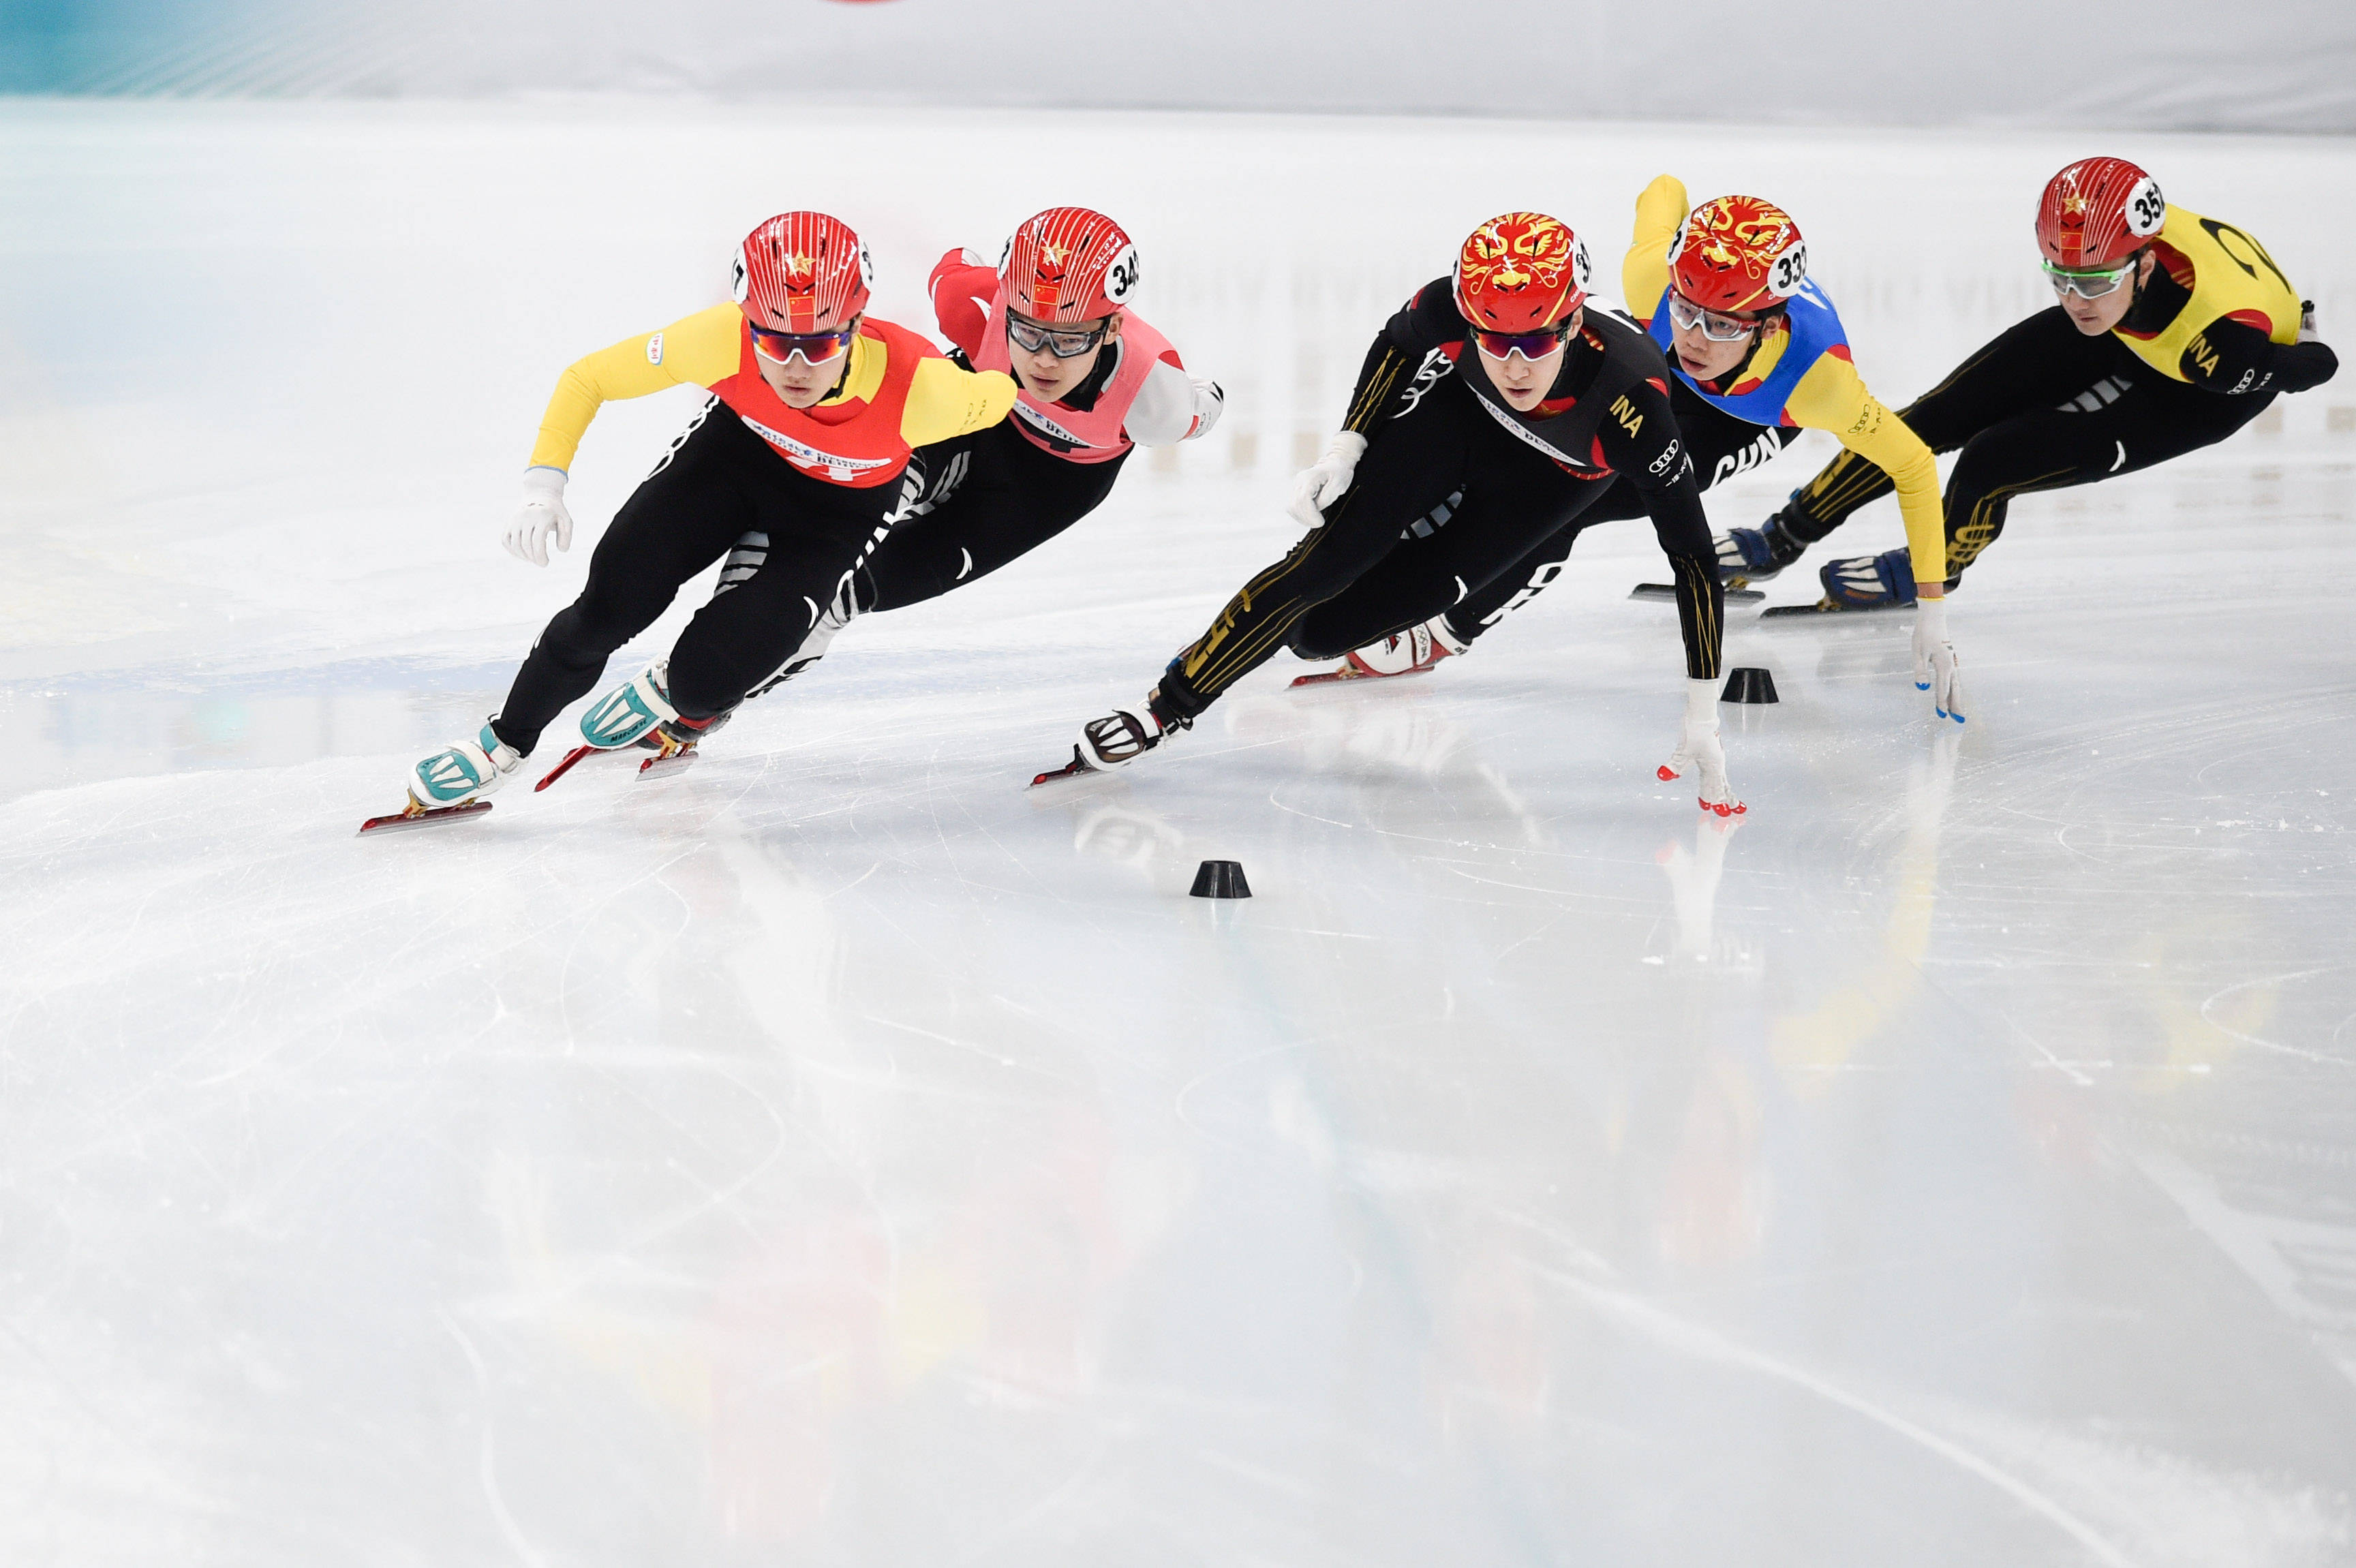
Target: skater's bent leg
[(818, 537), (678, 522), (1417, 463), (1016, 498), (1489, 602), (2033, 365), (2057, 448)]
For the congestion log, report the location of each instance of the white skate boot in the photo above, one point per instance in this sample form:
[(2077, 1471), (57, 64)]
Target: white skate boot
[(1117, 739), (1411, 651), (453, 782)]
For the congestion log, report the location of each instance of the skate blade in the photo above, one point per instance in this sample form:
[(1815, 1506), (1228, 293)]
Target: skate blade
[(678, 761), (1668, 591), (1075, 768), (423, 817), (1352, 672), (1829, 607), (561, 769)]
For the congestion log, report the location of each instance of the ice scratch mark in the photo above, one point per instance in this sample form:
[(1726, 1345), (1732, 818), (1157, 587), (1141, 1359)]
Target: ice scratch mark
[(1693, 1340), (2259, 1042), (488, 1465)]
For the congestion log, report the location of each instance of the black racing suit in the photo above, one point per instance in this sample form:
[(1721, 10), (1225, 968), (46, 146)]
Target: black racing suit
[(718, 482), (2044, 407), (1442, 441), (1719, 443)]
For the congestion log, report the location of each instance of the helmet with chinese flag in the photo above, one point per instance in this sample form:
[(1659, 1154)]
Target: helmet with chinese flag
[(1737, 253), (2097, 213), (1069, 264), (801, 273), (1523, 272)]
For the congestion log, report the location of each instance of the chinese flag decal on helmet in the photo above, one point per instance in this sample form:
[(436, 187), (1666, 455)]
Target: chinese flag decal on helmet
[(1069, 264), (1521, 273), (801, 272), (1737, 253), (2097, 213)]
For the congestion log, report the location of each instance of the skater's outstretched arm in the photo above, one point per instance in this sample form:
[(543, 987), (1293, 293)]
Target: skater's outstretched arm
[(1833, 397), (698, 350), (1641, 440)]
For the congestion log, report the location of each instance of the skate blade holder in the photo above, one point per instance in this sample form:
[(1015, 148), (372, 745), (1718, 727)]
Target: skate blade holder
[(430, 817), (1220, 880), (1668, 591), (1748, 684)]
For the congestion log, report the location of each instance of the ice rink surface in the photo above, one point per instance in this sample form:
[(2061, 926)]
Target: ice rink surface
[(840, 1155)]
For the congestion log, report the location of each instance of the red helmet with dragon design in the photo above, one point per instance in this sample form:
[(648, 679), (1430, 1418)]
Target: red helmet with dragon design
[(1522, 271), (1737, 253)]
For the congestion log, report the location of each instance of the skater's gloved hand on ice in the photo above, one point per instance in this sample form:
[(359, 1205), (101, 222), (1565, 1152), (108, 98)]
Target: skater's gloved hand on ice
[(1322, 483), (542, 513), (1699, 747), (1935, 658)]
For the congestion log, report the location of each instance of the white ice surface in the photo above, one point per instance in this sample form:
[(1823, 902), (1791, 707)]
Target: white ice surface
[(839, 1155)]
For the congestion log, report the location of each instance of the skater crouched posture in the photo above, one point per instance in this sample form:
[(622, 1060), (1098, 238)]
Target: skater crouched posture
[(2173, 332), (1554, 403), (1759, 352), (1093, 378), (815, 409)]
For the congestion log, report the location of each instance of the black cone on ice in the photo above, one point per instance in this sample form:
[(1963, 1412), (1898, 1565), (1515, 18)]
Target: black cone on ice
[(1749, 685), (1221, 880)]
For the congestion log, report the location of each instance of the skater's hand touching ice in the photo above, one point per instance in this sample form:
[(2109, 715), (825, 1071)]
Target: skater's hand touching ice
[(1935, 659), (542, 513), (1699, 747), (1322, 483)]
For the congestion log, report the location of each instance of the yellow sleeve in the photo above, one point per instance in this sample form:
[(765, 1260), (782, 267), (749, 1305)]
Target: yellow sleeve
[(1645, 274), (944, 400), (703, 348), (1832, 395)]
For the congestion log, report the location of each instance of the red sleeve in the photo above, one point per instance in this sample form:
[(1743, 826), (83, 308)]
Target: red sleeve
[(961, 296)]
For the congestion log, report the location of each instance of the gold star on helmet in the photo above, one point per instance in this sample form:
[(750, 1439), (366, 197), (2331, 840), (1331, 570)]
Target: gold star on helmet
[(2074, 203)]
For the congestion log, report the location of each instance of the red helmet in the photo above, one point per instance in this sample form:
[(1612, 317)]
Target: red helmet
[(1738, 252), (801, 273), (1521, 273), (2097, 213), (1068, 264)]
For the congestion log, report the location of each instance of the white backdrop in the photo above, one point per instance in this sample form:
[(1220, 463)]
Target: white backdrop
[(2278, 65)]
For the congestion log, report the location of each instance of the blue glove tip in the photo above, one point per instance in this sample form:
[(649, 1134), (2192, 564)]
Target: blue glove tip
[(1921, 685)]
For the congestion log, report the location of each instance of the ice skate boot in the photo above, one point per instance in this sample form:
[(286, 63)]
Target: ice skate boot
[(1119, 737), (638, 713), (1412, 652), (451, 782), (1755, 555), (1884, 582)]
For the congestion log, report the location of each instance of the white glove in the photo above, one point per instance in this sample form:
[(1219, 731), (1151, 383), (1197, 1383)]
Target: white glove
[(1935, 659), (2306, 333), (542, 513), (1322, 483), (1210, 403), (1699, 748)]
